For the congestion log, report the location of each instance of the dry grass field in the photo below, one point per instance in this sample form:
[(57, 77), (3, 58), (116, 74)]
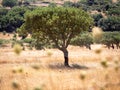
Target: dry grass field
[(44, 70)]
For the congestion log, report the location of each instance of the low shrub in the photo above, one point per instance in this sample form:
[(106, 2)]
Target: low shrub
[(84, 39), (4, 41)]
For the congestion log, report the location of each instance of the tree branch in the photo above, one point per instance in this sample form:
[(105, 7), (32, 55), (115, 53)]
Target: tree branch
[(68, 39)]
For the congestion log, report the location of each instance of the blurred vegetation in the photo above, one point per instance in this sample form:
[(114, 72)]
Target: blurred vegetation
[(4, 41), (110, 39), (9, 3), (13, 18), (107, 16), (83, 39)]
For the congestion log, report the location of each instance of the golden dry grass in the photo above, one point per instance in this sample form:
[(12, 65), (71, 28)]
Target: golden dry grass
[(6, 36), (32, 70)]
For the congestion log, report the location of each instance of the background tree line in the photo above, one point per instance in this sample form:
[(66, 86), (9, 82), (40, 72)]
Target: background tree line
[(109, 39), (107, 16)]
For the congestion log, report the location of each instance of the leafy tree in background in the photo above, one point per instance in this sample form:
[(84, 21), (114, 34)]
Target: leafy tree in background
[(3, 11), (99, 5), (96, 18), (13, 19), (110, 39), (74, 4), (68, 4), (83, 39), (58, 25), (112, 23), (114, 9), (52, 5), (9, 3)]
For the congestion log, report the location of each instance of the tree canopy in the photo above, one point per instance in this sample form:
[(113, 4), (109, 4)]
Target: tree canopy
[(12, 19), (9, 3), (59, 25)]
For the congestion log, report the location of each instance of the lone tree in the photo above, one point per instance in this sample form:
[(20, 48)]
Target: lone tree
[(59, 25)]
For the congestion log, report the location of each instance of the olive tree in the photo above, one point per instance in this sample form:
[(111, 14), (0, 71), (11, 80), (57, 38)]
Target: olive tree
[(58, 25)]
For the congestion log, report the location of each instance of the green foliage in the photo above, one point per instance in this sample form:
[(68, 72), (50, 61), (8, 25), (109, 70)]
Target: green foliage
[(3, 11), (111, 23), (84, 39), (74, 4), (22, 33), (58, 25), (13, 19), (26, 3), (4, 41), (9, 3), (97, 17), (99, 5), (114, 9), (28, 40), (110, 39), (52, 5), (68, 4)]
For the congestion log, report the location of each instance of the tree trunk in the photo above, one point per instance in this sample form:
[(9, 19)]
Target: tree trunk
[(66, 59)]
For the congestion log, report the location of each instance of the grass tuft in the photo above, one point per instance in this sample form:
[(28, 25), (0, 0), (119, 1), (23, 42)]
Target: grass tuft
[(17, 49)]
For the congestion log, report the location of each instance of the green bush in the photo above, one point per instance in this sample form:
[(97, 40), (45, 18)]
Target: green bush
[(97, 17), (84, 39), (28, 40), (11, 20), (3, 11), (111, 39), (4, 41), (52, 5), (112, 23), (9, 3), (68, 4)]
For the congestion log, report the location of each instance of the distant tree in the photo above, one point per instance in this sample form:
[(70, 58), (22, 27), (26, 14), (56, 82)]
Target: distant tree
[(9, 3), (13, 19), (110, 39), (112, 23), (83, 39), (68, 4), (26, 3), (52, 5), (96, 18), (100, 5), (114, 9), (58, 25), (90, 2), (3, 11), (72, 4)]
